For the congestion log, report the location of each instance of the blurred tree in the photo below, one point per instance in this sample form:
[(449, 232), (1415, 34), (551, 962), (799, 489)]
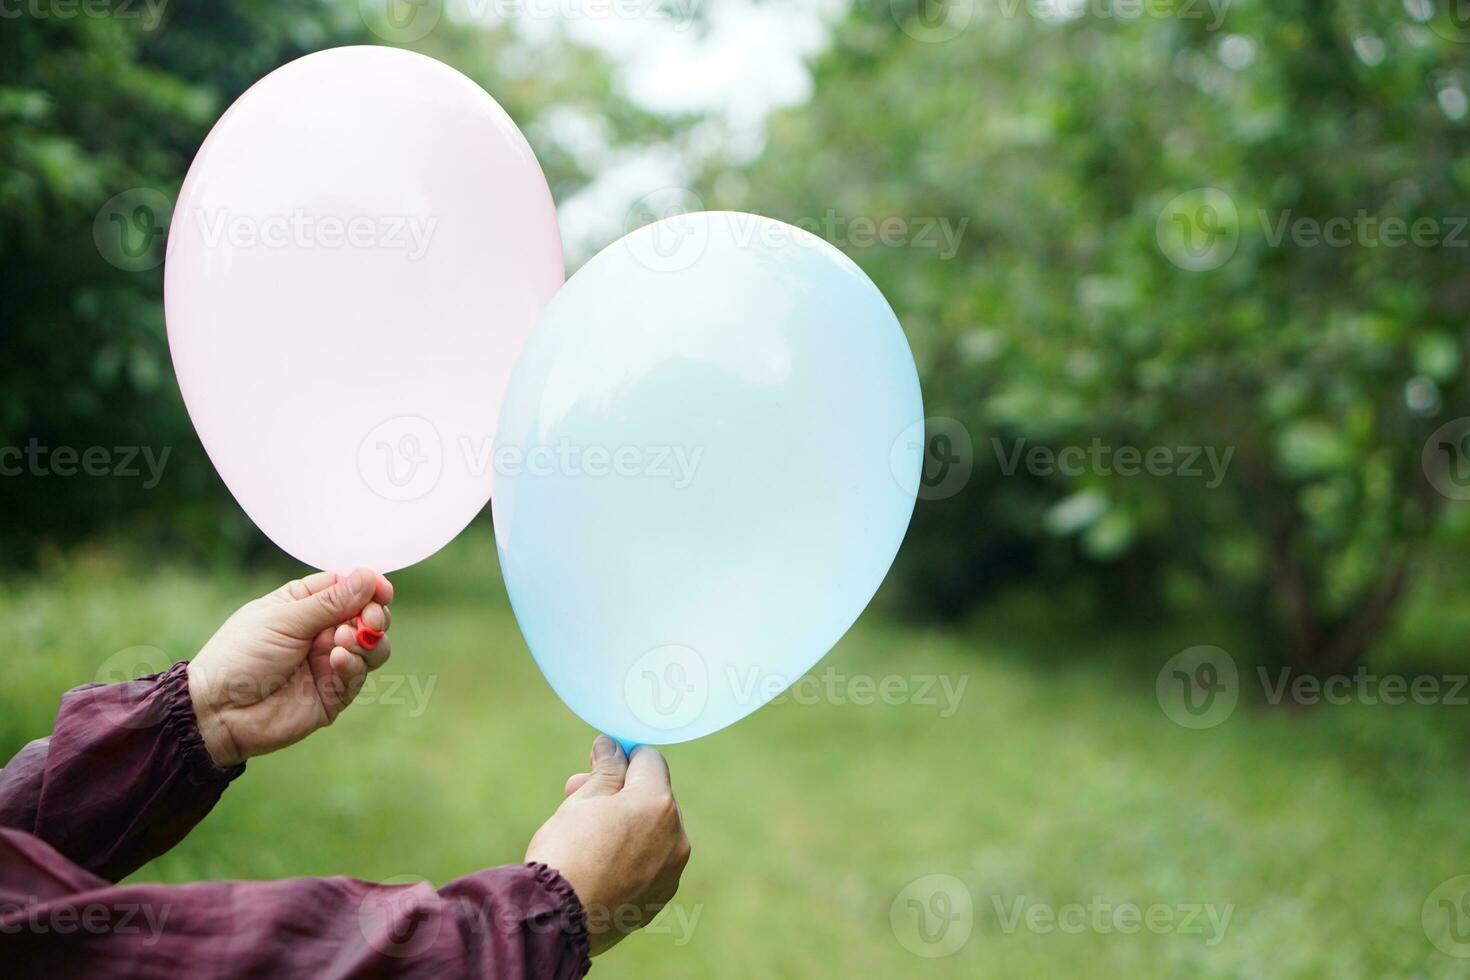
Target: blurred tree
[(1138, 185), (101, 109)]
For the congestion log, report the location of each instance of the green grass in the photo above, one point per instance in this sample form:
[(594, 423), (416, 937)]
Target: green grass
[(1059, 779)]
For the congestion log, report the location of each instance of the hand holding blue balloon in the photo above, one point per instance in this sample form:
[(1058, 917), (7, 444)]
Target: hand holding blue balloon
[(701, 475)]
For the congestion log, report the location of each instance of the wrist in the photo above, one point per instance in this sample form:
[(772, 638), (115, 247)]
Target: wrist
[(212, 728)]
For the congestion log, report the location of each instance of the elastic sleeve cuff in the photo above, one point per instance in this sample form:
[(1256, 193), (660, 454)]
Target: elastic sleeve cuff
[(569, 909), (180, 723)]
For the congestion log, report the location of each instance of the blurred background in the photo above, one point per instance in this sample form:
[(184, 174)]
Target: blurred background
[(1170, 676)]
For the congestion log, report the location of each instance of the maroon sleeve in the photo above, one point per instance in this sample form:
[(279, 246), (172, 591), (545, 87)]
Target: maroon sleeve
[(56, 920), (124, 776)]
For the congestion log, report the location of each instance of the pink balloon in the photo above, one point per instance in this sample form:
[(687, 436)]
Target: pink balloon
[(357, 255)]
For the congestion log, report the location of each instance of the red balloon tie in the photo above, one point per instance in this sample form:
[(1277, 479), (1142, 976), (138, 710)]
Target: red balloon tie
[(367, 637)]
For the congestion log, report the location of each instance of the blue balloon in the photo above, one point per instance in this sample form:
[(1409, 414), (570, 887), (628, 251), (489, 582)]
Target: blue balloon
[(707, 457)]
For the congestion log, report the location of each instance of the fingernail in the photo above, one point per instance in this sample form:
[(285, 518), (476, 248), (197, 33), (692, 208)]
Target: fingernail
[(604, 748), (354, 581)]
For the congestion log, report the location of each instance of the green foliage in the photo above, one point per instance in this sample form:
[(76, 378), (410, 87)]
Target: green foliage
[(1125, 276), (92, 107)]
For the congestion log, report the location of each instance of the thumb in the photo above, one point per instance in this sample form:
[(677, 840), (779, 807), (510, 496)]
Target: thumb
[(609, 768), (333, 604)]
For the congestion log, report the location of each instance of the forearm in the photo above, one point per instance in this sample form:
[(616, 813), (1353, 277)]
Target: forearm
[(123, 777), (513, 922)]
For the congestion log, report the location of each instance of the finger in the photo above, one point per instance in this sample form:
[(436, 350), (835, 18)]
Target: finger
[(375, 616), (346, 637), (349, 672), (300, 588), (575, 782), (378, 655), (382, 590), (609, 767), (648, 769), (322, 643), (336, 603)]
